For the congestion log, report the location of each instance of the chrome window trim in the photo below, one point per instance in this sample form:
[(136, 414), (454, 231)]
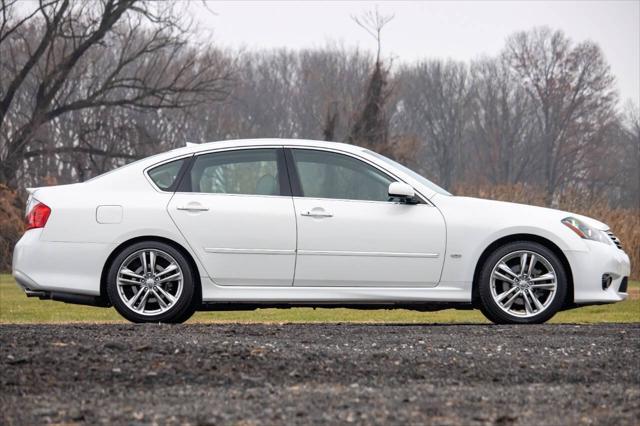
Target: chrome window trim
[(425, 200)]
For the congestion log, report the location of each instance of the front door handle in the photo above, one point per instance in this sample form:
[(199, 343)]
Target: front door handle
[(193, 208), (316, 213)]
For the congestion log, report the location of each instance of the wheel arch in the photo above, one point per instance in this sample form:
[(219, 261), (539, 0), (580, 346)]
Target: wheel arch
[(107, 264), (522, 237)]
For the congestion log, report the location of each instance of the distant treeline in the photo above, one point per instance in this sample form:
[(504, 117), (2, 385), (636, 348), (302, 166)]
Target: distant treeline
[(88, 86)]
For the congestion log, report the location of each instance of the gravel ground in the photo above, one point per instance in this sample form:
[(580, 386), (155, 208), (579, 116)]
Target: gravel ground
[(308, 373)]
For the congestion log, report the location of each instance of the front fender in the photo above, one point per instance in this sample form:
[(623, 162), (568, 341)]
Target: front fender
[(463, 254), (559, 235)]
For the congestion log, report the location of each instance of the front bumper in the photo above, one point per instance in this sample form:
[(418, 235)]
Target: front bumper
[(588, 267)]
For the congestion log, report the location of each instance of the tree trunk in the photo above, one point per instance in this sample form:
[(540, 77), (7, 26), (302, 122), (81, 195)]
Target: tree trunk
[(8, 171)]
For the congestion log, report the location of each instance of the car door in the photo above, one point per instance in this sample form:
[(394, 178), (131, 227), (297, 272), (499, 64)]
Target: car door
[(236, 212), (351, 234)]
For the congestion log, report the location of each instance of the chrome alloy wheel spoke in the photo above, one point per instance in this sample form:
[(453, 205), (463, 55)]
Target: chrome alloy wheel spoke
[(150, 282), (503, 277), (527, 303), (162, 303), (125, 281), (536, 301), (170, 278), (549, 286), (513, 298), (545, 277), (131, 302), (143, 262), (523, 262), (509, 271), (171, 267), (152, 262), (532, 263), (527, 292), (143, 303), (127, 271), (507, 293), (166, 295)]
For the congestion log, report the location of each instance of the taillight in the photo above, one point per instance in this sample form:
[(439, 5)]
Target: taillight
[(38, 216)]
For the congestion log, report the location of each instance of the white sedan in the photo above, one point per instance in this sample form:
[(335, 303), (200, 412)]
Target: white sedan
[(283, 223)]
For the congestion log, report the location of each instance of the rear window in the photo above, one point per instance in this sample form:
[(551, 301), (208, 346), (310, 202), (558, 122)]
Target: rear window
[(166, 175)]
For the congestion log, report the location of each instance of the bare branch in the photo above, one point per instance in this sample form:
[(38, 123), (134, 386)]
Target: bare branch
[(372, 21)]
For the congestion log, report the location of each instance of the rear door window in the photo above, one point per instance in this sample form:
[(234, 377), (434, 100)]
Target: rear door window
[(248, 172)]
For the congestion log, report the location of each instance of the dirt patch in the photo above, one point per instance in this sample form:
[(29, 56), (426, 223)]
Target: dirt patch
[(300, 374)]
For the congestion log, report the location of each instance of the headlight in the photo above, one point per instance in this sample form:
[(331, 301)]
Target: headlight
[(585, 231)]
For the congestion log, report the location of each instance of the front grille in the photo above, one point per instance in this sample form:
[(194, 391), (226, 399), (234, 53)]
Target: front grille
[(615, 239), (623, 285)]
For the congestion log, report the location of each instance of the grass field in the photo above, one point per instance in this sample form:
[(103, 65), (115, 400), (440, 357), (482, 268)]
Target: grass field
[(15, 307)]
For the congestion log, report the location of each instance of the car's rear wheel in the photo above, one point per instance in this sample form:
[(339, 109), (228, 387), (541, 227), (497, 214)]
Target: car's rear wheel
[(151, 281), (522, 282)]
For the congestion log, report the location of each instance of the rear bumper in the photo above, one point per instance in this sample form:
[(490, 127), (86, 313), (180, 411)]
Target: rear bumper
[(588, 268), (58, 267)]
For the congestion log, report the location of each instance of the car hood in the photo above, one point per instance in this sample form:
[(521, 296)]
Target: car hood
[(506, 209)]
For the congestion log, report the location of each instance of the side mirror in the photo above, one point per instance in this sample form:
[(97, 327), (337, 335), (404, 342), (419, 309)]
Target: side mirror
[(404, 192)]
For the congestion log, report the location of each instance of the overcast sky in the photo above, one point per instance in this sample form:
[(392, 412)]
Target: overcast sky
[(444, 29)]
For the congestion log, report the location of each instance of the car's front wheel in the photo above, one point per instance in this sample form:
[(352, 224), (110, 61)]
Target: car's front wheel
[(151, 281), (522, 282)]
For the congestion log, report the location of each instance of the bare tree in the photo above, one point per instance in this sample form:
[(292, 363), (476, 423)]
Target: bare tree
[(68, 56), (372, 21), (434, 102), (332, 82), (627, 158), (371, 127), (502, 128), (574, 96), (331, 121), (285, 94)]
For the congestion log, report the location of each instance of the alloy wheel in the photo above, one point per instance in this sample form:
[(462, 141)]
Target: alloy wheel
[(523, 283), (150, 282)]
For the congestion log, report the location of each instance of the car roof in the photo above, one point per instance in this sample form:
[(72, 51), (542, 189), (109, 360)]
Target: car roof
[(195, 148), (124, 172), (232, 143)]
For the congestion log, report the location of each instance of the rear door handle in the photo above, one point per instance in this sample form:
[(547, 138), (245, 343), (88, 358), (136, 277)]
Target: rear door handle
[(193, 208), (316, 213)]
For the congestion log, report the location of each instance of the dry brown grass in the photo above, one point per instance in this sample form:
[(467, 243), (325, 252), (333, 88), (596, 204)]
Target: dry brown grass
[(625, 223), (11, 225)]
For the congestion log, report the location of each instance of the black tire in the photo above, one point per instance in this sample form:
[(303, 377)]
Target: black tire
[(498, 315), (196, 301), (186, 303)]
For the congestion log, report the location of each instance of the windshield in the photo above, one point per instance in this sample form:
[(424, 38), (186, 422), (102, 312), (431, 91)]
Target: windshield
[(423, 180)]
